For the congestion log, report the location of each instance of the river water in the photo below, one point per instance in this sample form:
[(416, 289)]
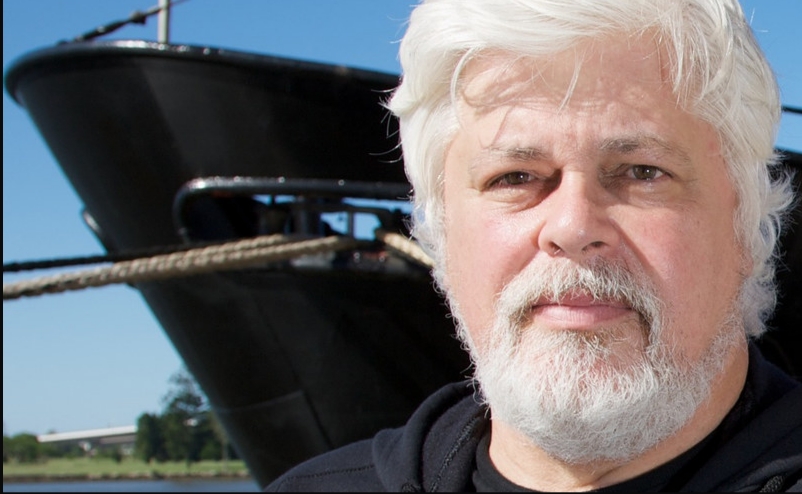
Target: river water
[(187, 485)]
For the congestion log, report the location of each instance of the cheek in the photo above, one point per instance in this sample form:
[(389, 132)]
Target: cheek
[(468, 264), (696, 273), (482, 255)]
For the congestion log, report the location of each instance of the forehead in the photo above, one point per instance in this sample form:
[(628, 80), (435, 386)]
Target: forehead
[(611, 89), (620, 68)]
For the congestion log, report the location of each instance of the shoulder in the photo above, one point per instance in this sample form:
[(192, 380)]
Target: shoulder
[(350, 468), (766, 452), (430, 445)]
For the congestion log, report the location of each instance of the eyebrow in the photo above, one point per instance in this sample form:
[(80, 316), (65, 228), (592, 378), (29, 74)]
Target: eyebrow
[(523, 153), (633, 144), (517, 153), (618, 145)]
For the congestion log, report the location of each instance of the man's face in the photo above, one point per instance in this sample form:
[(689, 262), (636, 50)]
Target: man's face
[(617, 175)]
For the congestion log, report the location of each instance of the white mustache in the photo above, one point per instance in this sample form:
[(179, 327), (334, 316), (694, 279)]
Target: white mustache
[(601, 279)]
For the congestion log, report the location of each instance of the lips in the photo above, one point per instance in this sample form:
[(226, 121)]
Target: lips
[(579, 311)]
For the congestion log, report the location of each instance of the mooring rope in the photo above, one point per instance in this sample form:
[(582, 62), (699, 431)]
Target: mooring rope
[(231, 255), (405, 246), (128, 255)]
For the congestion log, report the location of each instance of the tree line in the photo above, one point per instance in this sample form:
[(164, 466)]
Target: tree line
[(185, 430)]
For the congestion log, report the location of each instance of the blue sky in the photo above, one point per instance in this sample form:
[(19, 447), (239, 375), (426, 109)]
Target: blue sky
[(97, 357)]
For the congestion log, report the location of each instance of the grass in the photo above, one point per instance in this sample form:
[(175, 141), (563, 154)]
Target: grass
[(106, 468)]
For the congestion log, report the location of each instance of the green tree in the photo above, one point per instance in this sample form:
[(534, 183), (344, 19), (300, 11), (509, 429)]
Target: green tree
[(50, 450), (177, 436), (205, 444), (22, 448), (185, 396), (149, 443), (187, 430), (184, 421)]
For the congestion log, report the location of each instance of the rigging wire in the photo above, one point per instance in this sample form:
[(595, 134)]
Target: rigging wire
[(136, 17)]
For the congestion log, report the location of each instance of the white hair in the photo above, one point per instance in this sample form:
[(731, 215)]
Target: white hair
[(718, 71)]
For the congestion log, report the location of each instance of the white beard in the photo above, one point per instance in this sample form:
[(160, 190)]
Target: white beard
[(587, 397)]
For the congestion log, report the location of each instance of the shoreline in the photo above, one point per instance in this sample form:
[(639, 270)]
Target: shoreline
[(83, 477), (82, 469)]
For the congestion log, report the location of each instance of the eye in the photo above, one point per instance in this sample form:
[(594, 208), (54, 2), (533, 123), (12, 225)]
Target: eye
[(645, 172), (512, 179)]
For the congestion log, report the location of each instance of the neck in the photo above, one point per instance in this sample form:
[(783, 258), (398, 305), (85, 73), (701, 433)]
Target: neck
[(522, 462)]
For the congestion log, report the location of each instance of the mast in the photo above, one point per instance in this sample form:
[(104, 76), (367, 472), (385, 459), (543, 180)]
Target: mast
[(164, 21)]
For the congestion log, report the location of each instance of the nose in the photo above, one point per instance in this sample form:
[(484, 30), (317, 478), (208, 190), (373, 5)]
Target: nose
[(576, 222)]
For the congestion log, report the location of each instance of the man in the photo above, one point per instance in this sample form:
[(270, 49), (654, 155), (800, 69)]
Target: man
[(593, 179)]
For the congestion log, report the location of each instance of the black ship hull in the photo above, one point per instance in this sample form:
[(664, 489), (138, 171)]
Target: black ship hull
[(295, 360)]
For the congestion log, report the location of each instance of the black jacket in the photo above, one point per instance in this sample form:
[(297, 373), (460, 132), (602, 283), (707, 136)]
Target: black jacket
[(436, 451)]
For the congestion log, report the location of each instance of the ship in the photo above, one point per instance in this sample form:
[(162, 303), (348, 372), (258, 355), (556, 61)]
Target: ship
[(183, 145)]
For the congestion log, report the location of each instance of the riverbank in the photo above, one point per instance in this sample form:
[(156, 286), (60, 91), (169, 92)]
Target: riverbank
[(81, 469)]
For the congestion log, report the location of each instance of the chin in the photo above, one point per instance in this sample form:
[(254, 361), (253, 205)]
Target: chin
[(595, 396)]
